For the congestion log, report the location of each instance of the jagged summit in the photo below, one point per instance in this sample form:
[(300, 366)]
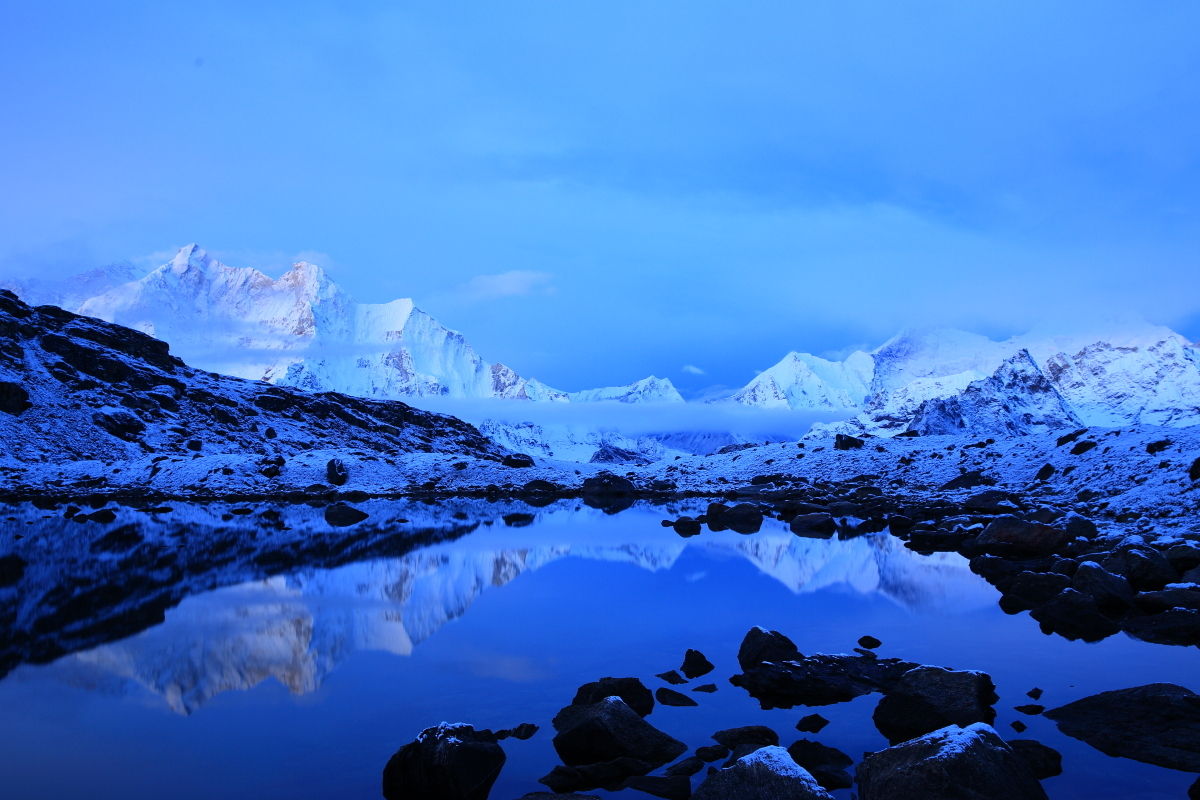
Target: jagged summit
[(647, 390)]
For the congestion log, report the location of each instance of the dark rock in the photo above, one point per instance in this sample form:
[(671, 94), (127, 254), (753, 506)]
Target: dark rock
[(826, 764), (610, 729), (517, 461), (995, 570), (1157, 447), (971, 763), (1184, 557), (12, 569), (743, 518), (1111, 593), (1031, 710), (820, 680), (869, 642), (1166, 599), (814, 526), (608, 775), (844, 442), (740, 751), (1070, 437), (938, 540), (671, 787), (686, 526), (1045, 762), (695, 664), (340, 515), (13, 398), (1194, 790), (813, 723), (1077, 526), (611, 454), (1156, 724), (968, 480), (1010, 536), (539, 486), (842, 508), (713, 752), (707, 688), (448, 762), (1146, 569), (672, 677), (1082, 448), (1194, 470), (759, 735), (1045, 473), (336, 472), (1177, 626), (557, 796), (1033, 589), (761, 645), (1074, 615), (900, 523), (524, 731), (670, 697), (195, 445), (120, 423), (927, 699), (992, 501), (518, 519), (104, 516), (1018, 726), (1035, 693), (762, 480), (631, 690), (713, 516), (688, 766), (768, 773), (607, 485)]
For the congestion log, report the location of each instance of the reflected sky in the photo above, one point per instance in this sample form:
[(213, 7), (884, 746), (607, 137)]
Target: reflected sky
[(303, 684)]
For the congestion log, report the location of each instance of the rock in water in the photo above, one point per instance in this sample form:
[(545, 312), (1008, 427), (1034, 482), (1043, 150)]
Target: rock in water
[(447, 762), (695, 664), (761, 645), (768, 773), (953, 763), (336, 472), (670, 787), (1010, 536), (814, 526), (813, 723), (820, 680), (826, 764), (744, 518), (929, 698), (608, 730), (758, 735), (1157, 724), (670, 697), (689, 766), (1046, 762), (556, 796), (340, 515), (672, 677), (608, 775), (631, 690), (714, 752)]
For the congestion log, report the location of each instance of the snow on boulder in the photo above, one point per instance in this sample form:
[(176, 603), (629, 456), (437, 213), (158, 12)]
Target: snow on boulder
[(766, 772)]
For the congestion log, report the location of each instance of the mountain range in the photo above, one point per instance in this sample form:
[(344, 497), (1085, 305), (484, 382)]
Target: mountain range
[(302, 330)]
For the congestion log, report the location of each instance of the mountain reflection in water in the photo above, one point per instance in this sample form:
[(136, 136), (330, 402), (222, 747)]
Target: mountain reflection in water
[(299, 627)]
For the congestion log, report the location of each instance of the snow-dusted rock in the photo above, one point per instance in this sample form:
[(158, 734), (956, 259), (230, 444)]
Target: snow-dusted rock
[(647, 390), (766, 772)]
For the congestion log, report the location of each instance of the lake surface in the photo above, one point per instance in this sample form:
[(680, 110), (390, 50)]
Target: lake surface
[(301, 683)]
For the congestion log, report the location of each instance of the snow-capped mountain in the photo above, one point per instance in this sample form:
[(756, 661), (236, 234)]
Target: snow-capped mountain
[(953, 381), (303, 330)]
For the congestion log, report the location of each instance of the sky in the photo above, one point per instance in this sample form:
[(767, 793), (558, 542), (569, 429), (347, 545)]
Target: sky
[(593, 192)]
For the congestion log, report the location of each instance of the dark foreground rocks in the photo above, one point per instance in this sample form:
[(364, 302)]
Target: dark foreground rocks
[(927, 699), (768, 773), (609, 729), (447, 762), (631, 690), (820, 680), (953, 763), (1157, 724)]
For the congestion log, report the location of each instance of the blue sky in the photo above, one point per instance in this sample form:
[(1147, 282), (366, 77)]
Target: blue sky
[(596, 191)]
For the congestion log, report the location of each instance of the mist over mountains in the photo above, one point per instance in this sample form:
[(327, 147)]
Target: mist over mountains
[(303, 330)]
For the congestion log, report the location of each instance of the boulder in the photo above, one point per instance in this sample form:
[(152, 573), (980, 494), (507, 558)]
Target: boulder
[(826, 764), (813, 723), (611, 454), (713, 752), (1032, 589), (844, 442), (631, 690), (869, 642), (992, 501), (1074, 615), (1146, 569), (761, 645), (608, 775), (927, 699), (539, 486), (13, 398), (743, 518), (952, 763), (671, 787), (1177, 626), (820, 680), (707, 688), (758, 735), (340, 515), (336, 472), (1010, 536), (518, 461), (672, 677), (1167, 599), (768, 773), (1111, 593), (119, 423), (1077, 526), (814, 526), (610, 729), (670, 697), (968, 480), (695, 664), (524, 731), (1045, 762), (688, 766), (447, 762), (1158, 723), (686, 526)]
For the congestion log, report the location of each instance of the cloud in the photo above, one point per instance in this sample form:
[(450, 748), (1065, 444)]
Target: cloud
[(691, 370), (514, 283)]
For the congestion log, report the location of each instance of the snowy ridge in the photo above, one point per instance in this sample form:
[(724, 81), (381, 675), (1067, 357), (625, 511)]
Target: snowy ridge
[(647, 390)]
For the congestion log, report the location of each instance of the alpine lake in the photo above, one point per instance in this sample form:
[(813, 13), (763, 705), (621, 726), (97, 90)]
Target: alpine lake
[(200, 651)]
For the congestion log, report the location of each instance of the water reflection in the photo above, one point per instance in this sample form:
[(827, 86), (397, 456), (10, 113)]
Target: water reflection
[(299, 626)]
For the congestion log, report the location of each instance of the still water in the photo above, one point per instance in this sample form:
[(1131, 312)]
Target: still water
[(299, 680)]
